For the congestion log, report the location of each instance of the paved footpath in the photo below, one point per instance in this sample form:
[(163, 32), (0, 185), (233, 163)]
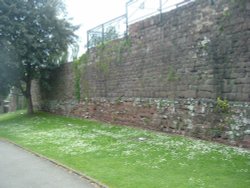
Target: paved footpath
[(21, 169)]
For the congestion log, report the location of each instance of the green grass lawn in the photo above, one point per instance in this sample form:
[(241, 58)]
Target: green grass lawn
[(127, 157)]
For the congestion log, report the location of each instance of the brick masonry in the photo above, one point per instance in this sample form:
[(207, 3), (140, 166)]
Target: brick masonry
[(168, 74)]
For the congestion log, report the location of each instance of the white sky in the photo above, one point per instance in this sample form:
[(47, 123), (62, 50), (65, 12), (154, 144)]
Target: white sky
[(90, 13)]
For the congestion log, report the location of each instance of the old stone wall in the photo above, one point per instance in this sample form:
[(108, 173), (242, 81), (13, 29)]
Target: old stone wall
[(15, 101), (200, 118), (196, 51), (167, 75)]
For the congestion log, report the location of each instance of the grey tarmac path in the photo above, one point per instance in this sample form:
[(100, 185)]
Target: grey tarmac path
[(22, 169)]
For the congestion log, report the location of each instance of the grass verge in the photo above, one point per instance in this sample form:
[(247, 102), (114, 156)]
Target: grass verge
[(123, 157)]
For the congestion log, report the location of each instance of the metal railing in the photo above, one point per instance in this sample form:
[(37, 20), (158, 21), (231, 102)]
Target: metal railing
[(113, 29), (136, 10), (141, 9)]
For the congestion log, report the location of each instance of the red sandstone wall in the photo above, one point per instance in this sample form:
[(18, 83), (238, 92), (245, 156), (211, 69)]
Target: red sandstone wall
[(168, 75)]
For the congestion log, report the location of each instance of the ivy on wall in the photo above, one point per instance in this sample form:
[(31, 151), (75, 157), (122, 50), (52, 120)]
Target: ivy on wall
[(111, 51), (78, 64)]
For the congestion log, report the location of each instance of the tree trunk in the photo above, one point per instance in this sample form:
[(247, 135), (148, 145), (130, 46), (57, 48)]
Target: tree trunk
[(29, 97)]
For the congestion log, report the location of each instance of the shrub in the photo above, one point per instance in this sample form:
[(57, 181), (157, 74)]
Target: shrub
[(222, 105)]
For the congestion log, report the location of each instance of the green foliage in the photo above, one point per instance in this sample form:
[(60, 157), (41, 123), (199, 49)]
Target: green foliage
[(8, 73), (34, 39), (119, 45), (122, 47), (230, 11), (83, 60), (225, 18), (222, 105), (79, 65), (110, 34), (104, 67), (125, 44), (240, 3), (124, 157), (77, 76), (172, 74), (111, 52), (100, 38), (4, 87), (118, 100)]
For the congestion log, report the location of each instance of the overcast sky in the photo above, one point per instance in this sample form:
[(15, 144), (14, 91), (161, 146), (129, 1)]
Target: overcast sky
[(90, 13)]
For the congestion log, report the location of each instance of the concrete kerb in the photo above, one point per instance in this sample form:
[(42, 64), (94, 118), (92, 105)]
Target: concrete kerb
[(81, 175)]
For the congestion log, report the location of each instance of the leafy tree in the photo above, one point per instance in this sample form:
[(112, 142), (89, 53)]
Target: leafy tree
[(34, 36), (7, 72), (4, 87)]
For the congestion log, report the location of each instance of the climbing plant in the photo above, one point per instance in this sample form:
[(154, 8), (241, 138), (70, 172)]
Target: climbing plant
[(78, 64)]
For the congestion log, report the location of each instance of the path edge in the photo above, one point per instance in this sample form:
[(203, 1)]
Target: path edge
[(65, 167)]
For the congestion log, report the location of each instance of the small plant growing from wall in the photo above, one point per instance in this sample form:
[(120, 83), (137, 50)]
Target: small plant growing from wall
[(228, 12), (171, 76), (222, 105)]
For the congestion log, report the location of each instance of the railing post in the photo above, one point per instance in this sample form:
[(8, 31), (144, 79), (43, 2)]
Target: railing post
[(87, 41), (160, 9), (103, 34), (127, 19)]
